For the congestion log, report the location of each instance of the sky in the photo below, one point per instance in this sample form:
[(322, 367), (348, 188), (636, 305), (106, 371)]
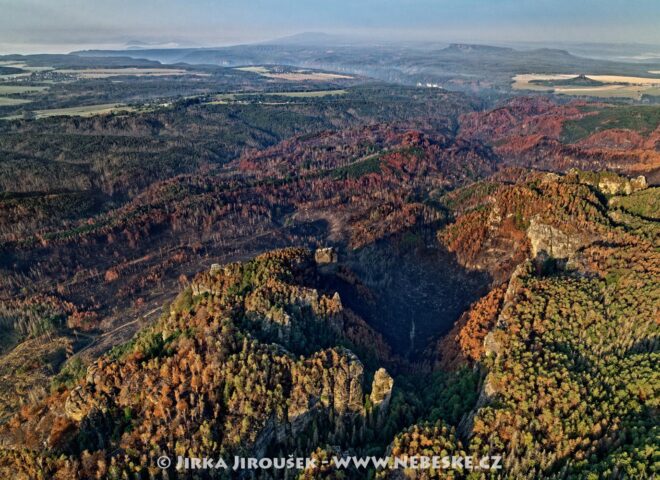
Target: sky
[(65, 25)]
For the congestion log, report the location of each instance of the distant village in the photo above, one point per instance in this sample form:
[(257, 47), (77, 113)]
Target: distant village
[(429, 85)]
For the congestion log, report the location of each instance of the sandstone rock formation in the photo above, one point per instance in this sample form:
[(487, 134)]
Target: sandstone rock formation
[(549, 241), (325, 255), (381, 389)]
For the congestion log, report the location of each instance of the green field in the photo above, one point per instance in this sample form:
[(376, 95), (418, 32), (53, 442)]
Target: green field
[(12, 89), (642, 119), (10, 102), (86, 111), (25, 67), (83, 111), (99, 73)]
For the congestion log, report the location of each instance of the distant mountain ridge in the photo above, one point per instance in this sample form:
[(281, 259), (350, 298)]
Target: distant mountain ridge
[(476, 48), (313, 39), (459, 66)]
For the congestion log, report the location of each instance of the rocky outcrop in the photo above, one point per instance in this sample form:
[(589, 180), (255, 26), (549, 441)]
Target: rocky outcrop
[(491, 344), (199, 288), (327, 385), (323, 256), (75, 406), (613, 186), (549, 241), (610, 183), (346, 389), (331, 379), (381, 393), (381, 389)]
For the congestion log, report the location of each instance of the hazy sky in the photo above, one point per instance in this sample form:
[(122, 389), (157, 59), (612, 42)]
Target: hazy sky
[(61, 25)]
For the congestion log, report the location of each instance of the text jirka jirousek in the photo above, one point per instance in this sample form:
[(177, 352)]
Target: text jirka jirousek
[(468, 462)]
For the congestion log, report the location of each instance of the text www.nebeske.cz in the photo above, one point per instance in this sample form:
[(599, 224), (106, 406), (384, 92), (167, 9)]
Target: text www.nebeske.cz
[(489, 462)]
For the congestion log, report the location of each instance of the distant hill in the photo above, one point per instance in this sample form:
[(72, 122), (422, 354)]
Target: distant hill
[(10, 70), (313, 39), (471, 48), (463, 67), (579, 81)]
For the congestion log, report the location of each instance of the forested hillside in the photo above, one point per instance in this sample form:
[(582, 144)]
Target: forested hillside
[(553, 368)]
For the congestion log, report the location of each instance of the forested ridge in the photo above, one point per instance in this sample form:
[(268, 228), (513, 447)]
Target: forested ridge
[(554, 369)]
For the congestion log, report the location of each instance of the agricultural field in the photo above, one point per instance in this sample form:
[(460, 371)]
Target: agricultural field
[(24, 66), (94, 73), (21, 89), (307, 76), (10, 102), (56, 84), (82, 111), (7, 101), (296, 75), (604, 86), (98, 73), (253, 69)]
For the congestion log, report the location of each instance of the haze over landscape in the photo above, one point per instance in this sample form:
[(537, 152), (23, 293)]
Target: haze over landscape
[(61, 26), (381, 231)]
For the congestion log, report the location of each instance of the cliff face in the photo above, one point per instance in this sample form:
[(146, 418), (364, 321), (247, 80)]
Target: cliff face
[(612, 184), (329, 384), (325, 255), (550, 242), (381, 394), (331, 380), (381, 388)]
